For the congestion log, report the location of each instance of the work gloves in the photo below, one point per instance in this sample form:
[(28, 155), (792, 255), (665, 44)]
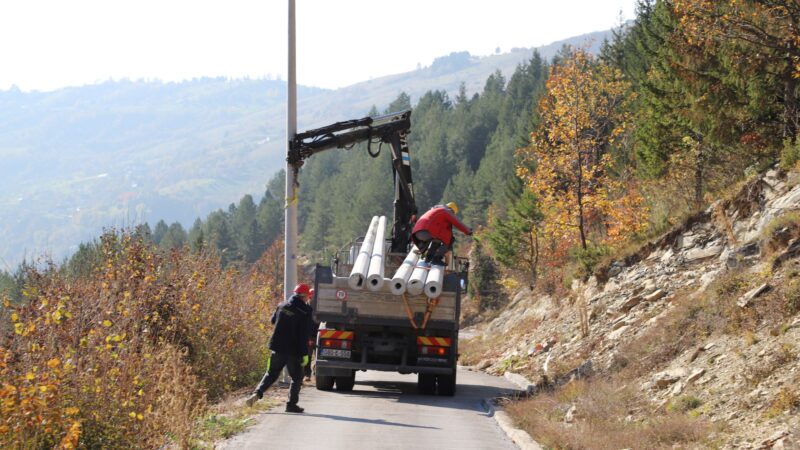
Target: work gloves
[(304, 362)]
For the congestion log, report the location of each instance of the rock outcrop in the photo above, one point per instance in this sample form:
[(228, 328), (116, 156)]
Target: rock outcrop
[(746, 380)]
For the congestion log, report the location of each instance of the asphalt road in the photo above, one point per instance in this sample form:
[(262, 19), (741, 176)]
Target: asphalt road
[(384, 411)]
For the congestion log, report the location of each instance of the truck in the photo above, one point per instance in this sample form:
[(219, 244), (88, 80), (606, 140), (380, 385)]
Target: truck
[(361, 329)]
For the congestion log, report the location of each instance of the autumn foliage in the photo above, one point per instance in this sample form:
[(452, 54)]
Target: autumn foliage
[(568, 165), (127, 357)]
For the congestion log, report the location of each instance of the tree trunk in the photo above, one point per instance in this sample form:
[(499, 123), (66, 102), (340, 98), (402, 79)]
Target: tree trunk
[(580, 202), (533, 256), (790, 105), (699, 175)]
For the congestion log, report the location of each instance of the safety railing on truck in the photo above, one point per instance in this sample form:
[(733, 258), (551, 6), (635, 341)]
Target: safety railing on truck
[(344, 258)]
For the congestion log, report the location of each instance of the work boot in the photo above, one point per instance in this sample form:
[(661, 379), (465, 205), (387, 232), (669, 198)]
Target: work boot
[(293, 408), (252, 399)]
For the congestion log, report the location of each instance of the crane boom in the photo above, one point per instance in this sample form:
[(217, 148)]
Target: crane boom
[(389, 129)]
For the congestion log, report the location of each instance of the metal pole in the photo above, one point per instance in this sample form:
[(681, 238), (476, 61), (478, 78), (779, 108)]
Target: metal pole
[(290, 230)]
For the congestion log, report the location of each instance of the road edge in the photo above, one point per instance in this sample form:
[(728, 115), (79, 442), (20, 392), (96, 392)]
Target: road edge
[(519, 436)]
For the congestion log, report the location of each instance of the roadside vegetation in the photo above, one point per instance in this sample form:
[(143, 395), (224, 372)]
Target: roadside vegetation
[(129, 353), (682, 120)]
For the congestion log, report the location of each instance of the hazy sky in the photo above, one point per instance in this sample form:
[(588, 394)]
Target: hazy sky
[(47, 44)]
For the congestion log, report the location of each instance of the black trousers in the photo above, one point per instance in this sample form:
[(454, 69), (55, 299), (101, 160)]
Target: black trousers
[(433, 249), (274, 366)]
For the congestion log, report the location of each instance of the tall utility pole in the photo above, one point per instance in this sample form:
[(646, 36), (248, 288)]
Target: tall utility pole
[(290, 230)]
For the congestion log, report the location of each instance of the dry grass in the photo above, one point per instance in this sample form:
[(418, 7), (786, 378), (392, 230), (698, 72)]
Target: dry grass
[(695, 318), (229, 417), (128, 356), (780, 231), (787, 399), (607, 416)]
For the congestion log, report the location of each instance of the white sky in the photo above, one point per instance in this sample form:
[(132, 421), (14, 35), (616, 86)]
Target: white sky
[(47, 44)]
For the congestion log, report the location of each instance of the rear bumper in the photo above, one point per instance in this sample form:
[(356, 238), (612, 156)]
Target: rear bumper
[(332, 364)]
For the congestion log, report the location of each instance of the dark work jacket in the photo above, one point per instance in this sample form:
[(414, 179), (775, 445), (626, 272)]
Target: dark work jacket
[(291, 320)]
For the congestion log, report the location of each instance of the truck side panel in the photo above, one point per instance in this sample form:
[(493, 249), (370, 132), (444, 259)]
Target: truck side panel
[(380, 304)]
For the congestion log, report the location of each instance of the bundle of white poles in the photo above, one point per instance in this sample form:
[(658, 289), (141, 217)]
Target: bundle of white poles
[(413, 276)]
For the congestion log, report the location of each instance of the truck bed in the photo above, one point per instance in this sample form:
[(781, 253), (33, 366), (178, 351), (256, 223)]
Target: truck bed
[(336, 301)]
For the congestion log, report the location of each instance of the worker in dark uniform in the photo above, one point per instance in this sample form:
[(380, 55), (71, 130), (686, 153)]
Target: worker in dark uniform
[(433, 232), (289, 346)]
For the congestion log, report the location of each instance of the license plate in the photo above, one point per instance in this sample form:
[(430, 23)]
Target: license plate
[(334, 353)]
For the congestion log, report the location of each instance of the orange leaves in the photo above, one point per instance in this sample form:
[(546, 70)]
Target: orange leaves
[(582, 113)]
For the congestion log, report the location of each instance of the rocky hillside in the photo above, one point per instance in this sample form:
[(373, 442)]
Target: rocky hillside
[(703, 321)]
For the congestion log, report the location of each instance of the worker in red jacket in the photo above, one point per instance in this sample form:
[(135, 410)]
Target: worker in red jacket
[(433, 232)]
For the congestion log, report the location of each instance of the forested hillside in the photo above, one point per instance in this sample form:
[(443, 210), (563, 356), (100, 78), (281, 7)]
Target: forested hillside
[(462, 150), (126, 152)]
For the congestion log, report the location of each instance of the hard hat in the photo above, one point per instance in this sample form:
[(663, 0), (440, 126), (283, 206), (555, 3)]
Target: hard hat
[(302, 288), (453, 206)]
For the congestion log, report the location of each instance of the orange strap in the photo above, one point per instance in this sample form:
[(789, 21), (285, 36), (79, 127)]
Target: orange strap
[(409, 312), (432, 303)]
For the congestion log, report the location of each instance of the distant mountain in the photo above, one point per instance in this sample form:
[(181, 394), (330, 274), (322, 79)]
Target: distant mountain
[(120, 153)]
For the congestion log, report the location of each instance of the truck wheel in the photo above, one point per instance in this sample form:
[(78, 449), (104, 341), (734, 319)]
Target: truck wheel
[(345, 384), (426, 383), (324, 383), (447, 384)]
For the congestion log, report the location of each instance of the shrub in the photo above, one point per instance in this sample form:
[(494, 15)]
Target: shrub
[(586, 259), (684, 404), (790, 154), (126, 356)]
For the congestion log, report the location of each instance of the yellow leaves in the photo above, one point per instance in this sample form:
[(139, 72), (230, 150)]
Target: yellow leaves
[(54, 363), (71, 439), (24, 330), (14, 317), (107, 323), (58, 315), (583, 112), (30, 376)]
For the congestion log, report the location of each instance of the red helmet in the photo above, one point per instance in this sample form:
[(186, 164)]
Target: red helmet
[(302, 288)]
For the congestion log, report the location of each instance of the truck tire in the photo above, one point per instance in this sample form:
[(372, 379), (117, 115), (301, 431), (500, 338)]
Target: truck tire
[(324, 383), (446, 384), (345, 384), (426, 383)]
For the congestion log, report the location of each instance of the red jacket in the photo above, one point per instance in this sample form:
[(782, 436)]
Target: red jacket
[(439, 221)]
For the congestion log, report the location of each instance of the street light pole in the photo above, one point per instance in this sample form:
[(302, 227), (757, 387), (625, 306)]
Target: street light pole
[(290, 226)]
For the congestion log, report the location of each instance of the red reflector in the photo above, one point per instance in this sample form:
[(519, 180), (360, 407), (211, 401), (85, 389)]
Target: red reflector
[(336, 343), (427, 350)]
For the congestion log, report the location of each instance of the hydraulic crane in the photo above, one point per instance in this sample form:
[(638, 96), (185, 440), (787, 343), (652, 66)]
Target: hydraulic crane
[(389, 129)]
